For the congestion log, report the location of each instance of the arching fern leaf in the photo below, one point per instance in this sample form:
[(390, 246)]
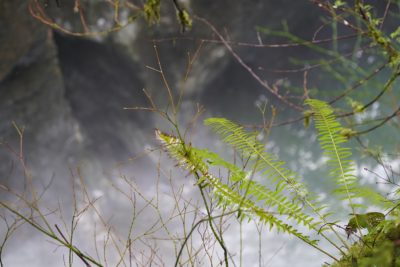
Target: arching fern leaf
[(247, 144), (332, 141), (193, 160), (285, 203), (338, 156), (271, 168), (259, 193)]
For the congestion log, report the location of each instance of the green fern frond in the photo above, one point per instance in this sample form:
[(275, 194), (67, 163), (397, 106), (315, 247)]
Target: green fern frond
[(180, 152), (249, 209), (271, 168), (258, 192), (332, 137), (192, 159), (338, 156), (247, 144)]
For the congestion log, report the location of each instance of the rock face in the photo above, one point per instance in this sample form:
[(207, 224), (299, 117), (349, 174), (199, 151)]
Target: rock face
[(19, 33), (100, 81), (67, 97), (31, 92)]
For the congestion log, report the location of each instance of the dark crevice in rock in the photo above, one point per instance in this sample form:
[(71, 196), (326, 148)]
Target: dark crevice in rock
[(100, 80)]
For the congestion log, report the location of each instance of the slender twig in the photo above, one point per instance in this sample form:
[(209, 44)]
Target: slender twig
[(385, 88), (385, 14), (204, 220), (388, 118), (66, 241), (167, 87), (37, 12), (263, 83), (358, 83), (255, 45), (50, 234)]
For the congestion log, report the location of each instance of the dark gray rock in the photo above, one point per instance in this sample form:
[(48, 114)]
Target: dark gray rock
[(31, 95), (100, 81), (19, 32)]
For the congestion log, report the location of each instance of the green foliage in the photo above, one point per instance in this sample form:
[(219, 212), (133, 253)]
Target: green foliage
[(332, 136), (152, 14), (330, 139), (356, 106), (368, 220), (396, 35), (184, 19), (285, 203), (257, 192), (380, 247), (378, 37), (193, 160), (339, 3), (152, 11), (307, 117), (269, 166)]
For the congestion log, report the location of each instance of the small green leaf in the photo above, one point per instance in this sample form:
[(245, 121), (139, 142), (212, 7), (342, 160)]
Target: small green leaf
[(338, 3), (184, 20), (396, 34), (307, 117), (356, 106), (364, 221), (152, 11), (348, 133)]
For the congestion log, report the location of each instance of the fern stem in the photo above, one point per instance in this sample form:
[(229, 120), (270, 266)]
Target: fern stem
[(207, 219), (219, 239), (330, 140)]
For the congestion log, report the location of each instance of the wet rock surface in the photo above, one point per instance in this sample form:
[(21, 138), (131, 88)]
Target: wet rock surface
[(101, 80), (31, 95), (19, 33)]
